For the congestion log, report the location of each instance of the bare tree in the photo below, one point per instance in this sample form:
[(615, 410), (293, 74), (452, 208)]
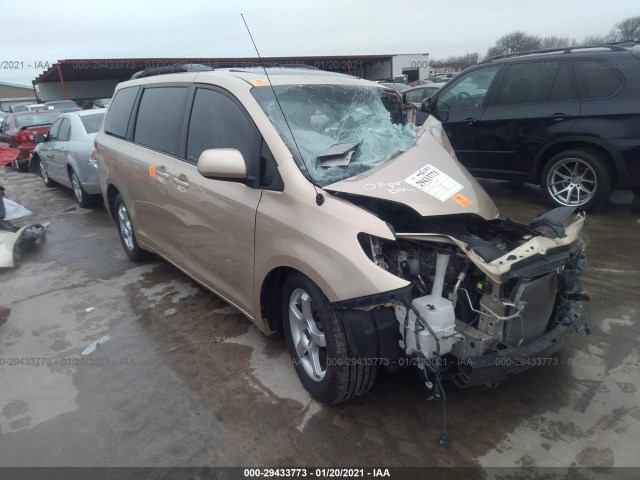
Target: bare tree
[(514, 42), (557, 42), (628, 29), (457, 61), (595, 39)]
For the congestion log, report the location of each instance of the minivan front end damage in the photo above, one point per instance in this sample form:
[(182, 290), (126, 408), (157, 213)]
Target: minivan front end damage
[(488, 298)]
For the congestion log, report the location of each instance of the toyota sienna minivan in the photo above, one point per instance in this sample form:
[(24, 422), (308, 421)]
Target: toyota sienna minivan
[(306, 200)]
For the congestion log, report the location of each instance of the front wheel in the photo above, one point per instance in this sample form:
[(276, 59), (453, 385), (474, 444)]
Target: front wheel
[(127, 236), (318, 344), (577, 178), (20, 167), (45, 176)]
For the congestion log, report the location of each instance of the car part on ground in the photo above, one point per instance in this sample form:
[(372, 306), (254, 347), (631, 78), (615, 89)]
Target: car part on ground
[(15, 241)]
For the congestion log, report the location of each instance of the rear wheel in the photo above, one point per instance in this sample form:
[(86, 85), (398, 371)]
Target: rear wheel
[(127, 235), (577, 178), (20, 167), (84, 199), (318, 344)]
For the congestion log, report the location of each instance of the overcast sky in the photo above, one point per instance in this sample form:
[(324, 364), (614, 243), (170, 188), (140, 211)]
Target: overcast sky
[(47, 31)]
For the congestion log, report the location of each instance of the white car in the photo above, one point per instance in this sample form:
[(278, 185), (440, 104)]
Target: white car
[(63, 155)]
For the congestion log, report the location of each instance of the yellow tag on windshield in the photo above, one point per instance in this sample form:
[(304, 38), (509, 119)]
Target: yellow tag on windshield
[(259, 82)]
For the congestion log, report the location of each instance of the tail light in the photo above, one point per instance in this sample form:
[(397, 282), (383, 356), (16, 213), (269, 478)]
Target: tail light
[(24, 136), (93, 158)]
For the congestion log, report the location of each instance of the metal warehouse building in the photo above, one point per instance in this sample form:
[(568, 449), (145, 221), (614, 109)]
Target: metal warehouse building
[(88, 79)]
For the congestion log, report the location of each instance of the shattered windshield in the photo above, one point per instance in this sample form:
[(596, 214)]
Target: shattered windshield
[(338, 130)]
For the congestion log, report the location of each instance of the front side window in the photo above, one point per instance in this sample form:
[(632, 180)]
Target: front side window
[(468, 91), (337, 131), (159, 118), (55, 128), (596, 79), (117, 121), (217, 122)]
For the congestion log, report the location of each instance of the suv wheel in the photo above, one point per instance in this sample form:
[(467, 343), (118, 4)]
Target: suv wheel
[(127, 235), (318, 344), (577, 178), (45, 176), (20, 167)]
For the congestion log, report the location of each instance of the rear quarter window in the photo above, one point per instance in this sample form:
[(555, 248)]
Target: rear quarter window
[(117, 120), (596, 79)]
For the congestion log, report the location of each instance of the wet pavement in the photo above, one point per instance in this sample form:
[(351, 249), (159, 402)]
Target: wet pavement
[(182, 379)]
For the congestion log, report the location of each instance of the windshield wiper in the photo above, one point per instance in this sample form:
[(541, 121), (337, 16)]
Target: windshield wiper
[(338, 155)]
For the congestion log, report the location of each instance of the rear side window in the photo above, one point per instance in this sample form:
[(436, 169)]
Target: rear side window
[(531, 82), (596, 79), (117, 120), (65, 129), (217, 122), (160, 117), (92, 123)]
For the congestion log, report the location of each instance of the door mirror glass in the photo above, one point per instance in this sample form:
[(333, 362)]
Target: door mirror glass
[(222, 163), (426, 105), (40, 138)]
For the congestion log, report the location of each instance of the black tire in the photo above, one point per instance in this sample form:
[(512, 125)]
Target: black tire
[(128, 239), (561, 188), (344, 377), (84, 199), (20, 167), (45, 177)]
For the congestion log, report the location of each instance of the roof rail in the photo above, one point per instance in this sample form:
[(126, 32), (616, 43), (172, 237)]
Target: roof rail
[(614, 47), (265, 64), (177, 68)]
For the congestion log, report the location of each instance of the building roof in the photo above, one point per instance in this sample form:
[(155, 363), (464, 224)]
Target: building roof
[(123, 68)]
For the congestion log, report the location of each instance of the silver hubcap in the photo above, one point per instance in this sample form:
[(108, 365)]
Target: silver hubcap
[(307, 337), (43, 172), (125, 226), (572, 182), (76, 187)]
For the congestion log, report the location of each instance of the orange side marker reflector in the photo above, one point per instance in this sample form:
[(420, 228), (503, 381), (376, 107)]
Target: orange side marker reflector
[(461, 200), (152, 170)]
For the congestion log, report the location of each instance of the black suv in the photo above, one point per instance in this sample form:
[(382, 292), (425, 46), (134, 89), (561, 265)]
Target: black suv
[(566, 119)]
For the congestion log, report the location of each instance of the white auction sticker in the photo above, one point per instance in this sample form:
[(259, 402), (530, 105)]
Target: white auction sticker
[(434, 182)]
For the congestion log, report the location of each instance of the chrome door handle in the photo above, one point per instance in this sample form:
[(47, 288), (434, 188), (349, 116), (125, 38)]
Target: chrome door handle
[(180, 183), (164, 175)]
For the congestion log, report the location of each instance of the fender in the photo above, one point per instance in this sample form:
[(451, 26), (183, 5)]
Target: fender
[(583, 139)]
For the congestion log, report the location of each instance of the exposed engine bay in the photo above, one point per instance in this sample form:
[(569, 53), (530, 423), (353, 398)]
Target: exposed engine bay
[(484, 292)]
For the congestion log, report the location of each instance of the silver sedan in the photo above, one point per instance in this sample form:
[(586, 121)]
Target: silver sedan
[(63, 156)]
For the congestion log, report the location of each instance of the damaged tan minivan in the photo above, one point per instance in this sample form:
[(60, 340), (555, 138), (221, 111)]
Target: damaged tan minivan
[(306, 200)]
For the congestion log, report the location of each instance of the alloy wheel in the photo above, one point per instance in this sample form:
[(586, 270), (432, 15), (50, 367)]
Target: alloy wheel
[(572, 182), (125, 226), (308, 337)]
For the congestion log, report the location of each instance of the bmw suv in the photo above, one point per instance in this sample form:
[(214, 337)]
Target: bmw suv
[(566, 119)]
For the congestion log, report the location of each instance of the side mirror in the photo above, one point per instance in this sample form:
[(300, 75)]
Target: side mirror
[(426, 105), (40, 138), (222, 163)]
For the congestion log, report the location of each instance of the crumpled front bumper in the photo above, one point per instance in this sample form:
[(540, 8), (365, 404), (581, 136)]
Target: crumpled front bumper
[(497, 366)]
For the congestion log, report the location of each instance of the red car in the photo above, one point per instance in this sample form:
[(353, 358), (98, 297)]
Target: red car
[(17, 131)]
